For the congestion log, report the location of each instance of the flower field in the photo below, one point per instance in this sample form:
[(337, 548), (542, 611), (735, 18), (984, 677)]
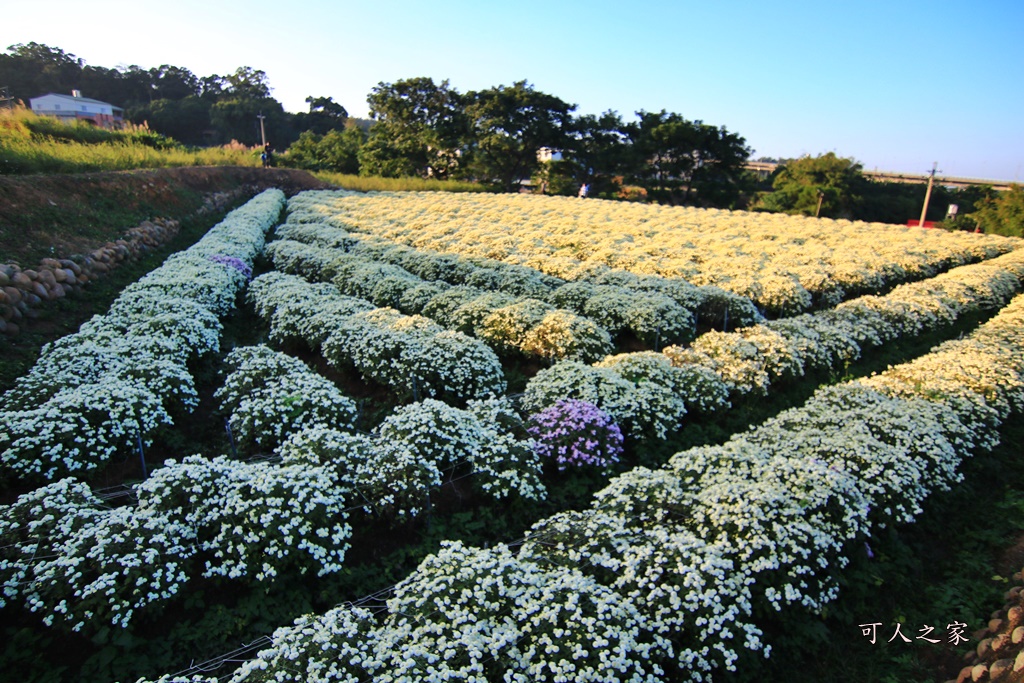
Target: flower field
[(368, 398)]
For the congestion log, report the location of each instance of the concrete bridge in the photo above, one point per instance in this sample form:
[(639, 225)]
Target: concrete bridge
[(765, 169)]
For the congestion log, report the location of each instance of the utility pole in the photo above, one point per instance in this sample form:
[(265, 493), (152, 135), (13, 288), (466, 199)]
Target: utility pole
[(821, 196), (263, 134), (928, 194)]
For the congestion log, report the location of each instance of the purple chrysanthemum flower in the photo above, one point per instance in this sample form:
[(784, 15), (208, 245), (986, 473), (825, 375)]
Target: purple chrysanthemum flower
[(577, 433), (232, 262)]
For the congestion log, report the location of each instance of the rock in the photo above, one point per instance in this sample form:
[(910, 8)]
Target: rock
[(1000, 669), (60, 275), (70, 277), (1015, 616), (979, 673), (965, 674), (1018, 663), (11, 329), (33, 299), (39, 290), (984, 648), (1000, 642), (1018, 635), (31, 273), (13, 295), (1012, 593), (4, 279), (21, 281)]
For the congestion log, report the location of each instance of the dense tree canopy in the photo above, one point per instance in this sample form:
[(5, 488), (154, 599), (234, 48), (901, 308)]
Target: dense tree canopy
[(800, 184), (682, 162), (510, 124), (1004, 213), (419, 129)]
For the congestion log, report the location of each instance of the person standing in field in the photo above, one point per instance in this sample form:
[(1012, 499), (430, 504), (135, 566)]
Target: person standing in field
[(266, 155), (584, 188)]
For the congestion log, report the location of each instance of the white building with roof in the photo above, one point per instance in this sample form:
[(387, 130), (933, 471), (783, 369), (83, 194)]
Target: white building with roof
[(75, 107)]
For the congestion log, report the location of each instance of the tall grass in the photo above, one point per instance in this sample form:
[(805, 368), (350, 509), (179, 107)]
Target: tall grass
[(375, 184), (40, 144)]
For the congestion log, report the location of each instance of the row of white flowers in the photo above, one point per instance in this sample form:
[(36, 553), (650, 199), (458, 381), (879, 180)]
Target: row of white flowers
[(101, 391), (650, 393), (668, 566), (407, 352), (76, 562), (504, 321), (782, 263)]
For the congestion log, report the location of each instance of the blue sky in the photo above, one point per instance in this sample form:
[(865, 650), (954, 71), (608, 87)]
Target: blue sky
[(896, 85)]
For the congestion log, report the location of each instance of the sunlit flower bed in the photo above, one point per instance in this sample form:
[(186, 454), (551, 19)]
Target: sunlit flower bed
[(783, 263), (751, 359), (664, 573), (104, 390)]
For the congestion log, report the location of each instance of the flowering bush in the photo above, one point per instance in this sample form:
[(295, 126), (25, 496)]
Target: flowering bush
[(417, 448), (270, 395), (576, 433)]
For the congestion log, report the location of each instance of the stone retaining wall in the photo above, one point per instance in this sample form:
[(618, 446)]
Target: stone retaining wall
[(24, 291)]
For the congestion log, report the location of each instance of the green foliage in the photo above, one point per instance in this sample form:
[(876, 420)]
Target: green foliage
[(324, 116), (800, 184), (184, 119), (681, 162), (336, 151), (509, 124), (1004, 214), (419, 130)]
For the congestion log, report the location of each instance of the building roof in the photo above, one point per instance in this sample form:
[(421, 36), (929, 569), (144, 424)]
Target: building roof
[(83, 100)]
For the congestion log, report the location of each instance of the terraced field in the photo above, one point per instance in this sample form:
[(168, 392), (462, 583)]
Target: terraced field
[(519, 371)]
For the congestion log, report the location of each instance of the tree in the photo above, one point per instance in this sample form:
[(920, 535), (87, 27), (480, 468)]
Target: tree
[(237, 119), (173, 82), (419, 129), (247, 84), (324, 115), (34, 69), (596, 153), (1004, 214), (509, 126), (336, 151), (718, 178), (185, 120), (667, 150), (799, 184)]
